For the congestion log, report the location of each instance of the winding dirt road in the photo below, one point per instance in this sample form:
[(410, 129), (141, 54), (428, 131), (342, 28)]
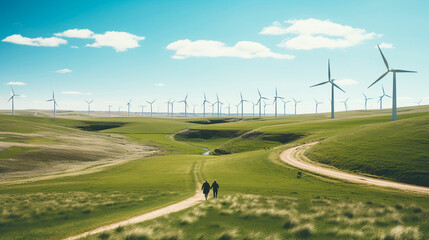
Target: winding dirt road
[(293, 156), (189, 202)]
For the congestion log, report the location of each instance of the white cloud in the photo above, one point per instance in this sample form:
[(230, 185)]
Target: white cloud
[(71, 93), (207, 48), (120, 41), (346, 82), (38, 42), (76, 33), (160, 85), (16, 83), (385, 45), (65, 70), (74, 47), (314, 33)]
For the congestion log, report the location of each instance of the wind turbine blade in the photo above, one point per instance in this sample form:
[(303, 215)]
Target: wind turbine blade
[(382, 88), (259, 93), (384, 59), (320, 84), (10, 99), (329, 70), (400, 70), (378, 79), (337, 87), (264, 98), (388, 96)]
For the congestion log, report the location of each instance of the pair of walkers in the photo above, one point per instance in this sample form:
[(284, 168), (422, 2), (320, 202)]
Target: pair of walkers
[(206, 188)]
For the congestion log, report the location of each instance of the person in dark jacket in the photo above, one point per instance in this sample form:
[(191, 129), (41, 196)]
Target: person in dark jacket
[(206, 189), (215, 187)]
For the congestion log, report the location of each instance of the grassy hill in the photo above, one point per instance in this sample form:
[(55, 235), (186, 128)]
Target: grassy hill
[(396, 150)]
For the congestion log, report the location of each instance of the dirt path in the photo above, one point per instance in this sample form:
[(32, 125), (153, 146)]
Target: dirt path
[(294, 156), (189, 202)]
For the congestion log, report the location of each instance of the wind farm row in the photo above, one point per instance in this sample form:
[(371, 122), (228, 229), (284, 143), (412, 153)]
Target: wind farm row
[(217, 106)]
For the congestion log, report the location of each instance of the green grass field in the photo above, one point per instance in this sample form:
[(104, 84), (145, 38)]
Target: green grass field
[(261, 197)]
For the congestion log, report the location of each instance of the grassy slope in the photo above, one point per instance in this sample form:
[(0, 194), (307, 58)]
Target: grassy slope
[(404, 144)]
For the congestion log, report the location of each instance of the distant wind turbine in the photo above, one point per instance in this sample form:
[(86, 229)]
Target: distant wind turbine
[(242, 103), (237, 108), (89, 105), (109, 109), (129, 106), (119, 111), (54, 101), (265, 106), (193, 109), (419, 102), (394, 71), (218, 105), (260, 102), (253, 108), (366, 100), (204, 105), (345, 104), (151, 103), (168, 107), (172, 108), (380, 100), (296, 103), (213, 104), (185, 101), (331, 81), (12, 97), (317, 104), (276, 97), (284, 106)]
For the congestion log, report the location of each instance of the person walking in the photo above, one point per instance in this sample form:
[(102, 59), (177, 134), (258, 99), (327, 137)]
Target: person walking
[(206, 189), (215, 187)]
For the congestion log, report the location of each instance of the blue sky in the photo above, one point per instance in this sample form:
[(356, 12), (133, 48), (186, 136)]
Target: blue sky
[(166, 49)]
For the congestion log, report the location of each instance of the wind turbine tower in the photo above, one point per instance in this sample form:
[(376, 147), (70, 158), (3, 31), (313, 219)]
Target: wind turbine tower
[(296, 103), (260, 102), (242, 103), (284, 106), (12, 97), (366, 100), (54, 101), (204, 105), (317, 104), (151, 103), (129, 106), (185, 101), (89, 106), (276, 97)]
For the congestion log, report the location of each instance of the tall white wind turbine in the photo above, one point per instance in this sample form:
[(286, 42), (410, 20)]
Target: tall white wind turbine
[(218, 105), (110, 106), (260, 102), (242, 103), (366, 100), (345, 104), (284, 106), (265, 106), (394, 71), (296, 103), (229, 109), (172, 108), (331, 81), (419, 102), (238, 105), (89, 105), (276, 97), (185, 101), (142, 106), (193, 109), (168, 107), (253, 108), (151, 103), (54, 101), (204, 105), (129, 106), (317, 104), (12, 97)]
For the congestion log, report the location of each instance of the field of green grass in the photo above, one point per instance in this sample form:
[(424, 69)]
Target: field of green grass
[(260, 196)]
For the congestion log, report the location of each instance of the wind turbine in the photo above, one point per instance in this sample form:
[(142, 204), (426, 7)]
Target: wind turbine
[(89, 105), (119, 111), (284, 106), (109, 109), (142, 109), (296, 103), (345, 104), (193, 110), (366, 100), (419, 102), (237, 108), (265, 105), (168, 107), (213, 109), (260, 102), (380, 100), (54, 101), (394, 71), (276, 97), (253, 108), (218, 104), (331, 81), (221, 106), (317, 104), (229, 109), (151, 106), (185, 101), (13, 95), (172, 108), (242, 103), (129, 105), (204, 105)]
